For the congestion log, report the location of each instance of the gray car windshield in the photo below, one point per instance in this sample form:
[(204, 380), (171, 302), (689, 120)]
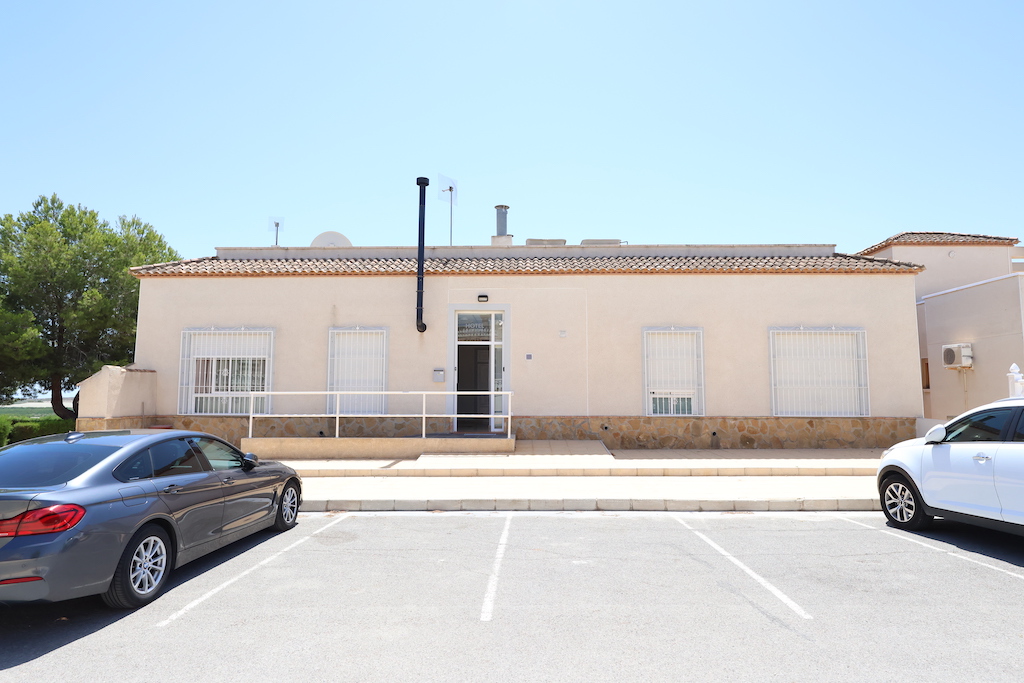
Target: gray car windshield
[(28, 465)]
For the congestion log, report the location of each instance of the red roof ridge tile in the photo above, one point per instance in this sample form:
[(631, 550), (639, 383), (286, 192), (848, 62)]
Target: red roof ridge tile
[(938, 238), (215, 267)]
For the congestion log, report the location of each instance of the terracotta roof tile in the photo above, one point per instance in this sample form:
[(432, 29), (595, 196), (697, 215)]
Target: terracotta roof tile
[(214, 267), (939, 239)]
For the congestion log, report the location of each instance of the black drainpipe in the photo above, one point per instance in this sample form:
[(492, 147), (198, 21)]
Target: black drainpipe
[(420, 325)]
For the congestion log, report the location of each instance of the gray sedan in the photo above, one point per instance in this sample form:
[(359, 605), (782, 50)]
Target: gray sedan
[(112, 513)]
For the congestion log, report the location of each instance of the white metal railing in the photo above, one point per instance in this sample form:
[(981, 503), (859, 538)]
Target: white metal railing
[(505, 415)]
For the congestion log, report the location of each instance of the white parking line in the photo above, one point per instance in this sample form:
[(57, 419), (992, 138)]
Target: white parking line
[(209, 594), (492, 583), (853, 521), (750, 572), (967, 558)]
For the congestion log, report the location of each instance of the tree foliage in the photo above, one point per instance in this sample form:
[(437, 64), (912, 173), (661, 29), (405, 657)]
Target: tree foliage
[(20, 345), (68, 303)]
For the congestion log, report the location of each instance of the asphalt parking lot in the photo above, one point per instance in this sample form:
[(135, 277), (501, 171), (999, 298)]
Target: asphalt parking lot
[(558, 597)]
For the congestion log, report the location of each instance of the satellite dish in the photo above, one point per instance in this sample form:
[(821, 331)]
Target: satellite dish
[(330, 239)]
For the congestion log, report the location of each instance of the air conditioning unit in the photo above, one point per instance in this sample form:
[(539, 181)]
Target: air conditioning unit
[(956, 356)]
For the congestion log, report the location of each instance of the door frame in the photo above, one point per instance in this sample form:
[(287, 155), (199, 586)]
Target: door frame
[(453, 352)]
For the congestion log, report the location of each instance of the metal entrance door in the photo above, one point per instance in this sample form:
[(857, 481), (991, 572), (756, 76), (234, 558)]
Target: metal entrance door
[(480, 366)]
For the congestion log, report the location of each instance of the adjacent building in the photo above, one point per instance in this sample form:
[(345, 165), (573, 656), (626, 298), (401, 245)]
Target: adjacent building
[(970, 303)]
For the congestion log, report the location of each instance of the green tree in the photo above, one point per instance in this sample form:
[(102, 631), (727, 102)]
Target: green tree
[(68, 301), (20, 345)]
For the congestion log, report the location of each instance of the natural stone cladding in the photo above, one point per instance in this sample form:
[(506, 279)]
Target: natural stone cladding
[(722, 432), (229, 428), (233, 429), (614, 432)]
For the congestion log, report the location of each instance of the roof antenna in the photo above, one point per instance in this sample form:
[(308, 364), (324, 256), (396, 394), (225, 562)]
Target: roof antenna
[(446, 184), (274, 226)]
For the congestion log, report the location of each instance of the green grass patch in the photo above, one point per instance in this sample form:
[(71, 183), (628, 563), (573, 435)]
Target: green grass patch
[(19, 413)]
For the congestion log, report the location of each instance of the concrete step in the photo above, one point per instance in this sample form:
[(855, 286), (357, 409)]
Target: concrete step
[(611, 493), (585, 466)]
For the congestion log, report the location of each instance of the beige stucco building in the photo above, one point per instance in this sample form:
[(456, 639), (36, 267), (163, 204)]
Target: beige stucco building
[(731, 346), (970, 299)]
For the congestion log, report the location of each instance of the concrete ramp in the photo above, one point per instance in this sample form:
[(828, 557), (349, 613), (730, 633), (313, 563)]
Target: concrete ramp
[(370, 448), (556, 447)]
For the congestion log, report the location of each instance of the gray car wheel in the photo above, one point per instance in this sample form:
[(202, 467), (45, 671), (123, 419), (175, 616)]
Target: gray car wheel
[(288, 509), (142, 571), (902, 505)]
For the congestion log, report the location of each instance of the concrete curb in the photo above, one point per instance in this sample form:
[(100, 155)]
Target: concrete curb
[(599, 472), (592, 504)]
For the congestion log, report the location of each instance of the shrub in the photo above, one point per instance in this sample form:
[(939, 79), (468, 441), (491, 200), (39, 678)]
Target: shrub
[(5, 429), (44, 427)]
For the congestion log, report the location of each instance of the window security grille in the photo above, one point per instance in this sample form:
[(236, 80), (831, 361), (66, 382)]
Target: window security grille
[(219, 367), (819, 372), (673, 371), (357, 362)]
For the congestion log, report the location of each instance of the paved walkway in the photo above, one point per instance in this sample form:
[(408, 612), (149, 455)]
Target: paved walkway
[(585, 476), (582, 466)]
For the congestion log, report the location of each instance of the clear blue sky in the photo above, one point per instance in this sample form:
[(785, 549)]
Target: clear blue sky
[(820, 121)]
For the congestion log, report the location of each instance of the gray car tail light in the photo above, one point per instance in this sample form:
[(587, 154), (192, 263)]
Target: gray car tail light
[(48, 520)]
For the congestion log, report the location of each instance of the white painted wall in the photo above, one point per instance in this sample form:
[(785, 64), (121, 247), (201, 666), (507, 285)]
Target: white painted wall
[(116, 391), (595, 368), (949, 266), (988, 315)]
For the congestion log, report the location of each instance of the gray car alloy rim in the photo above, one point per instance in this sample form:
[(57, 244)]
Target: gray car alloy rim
[(148, 565), (899, 502), (289, 505)]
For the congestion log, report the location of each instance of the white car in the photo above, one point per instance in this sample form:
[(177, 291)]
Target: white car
[(970, 470)]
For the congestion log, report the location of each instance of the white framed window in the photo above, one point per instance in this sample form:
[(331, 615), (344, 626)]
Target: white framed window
[(358, 362), (819, 372), (219, 367), (673, 371)]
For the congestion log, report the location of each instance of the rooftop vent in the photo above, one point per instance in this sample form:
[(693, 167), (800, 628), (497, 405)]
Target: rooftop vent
[(502, 238), (502, 220)]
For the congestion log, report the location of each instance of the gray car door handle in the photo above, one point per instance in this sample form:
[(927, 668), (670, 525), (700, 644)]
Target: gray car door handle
[(173, 488), (980, 457)]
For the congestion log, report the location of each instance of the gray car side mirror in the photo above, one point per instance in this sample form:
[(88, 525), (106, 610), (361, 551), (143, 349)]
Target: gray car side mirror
[(249, 460)]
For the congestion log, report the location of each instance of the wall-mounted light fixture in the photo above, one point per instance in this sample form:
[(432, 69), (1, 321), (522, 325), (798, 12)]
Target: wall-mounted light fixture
[(482, 298)]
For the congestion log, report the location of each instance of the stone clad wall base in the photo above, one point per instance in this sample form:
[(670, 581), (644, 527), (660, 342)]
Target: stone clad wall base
[(722, 432), (370, 448), (229, 428), (88, 424), (233, 429), (614, 432)]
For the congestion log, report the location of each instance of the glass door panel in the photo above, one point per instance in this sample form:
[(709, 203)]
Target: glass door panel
[(475, 327), (480, 368)]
